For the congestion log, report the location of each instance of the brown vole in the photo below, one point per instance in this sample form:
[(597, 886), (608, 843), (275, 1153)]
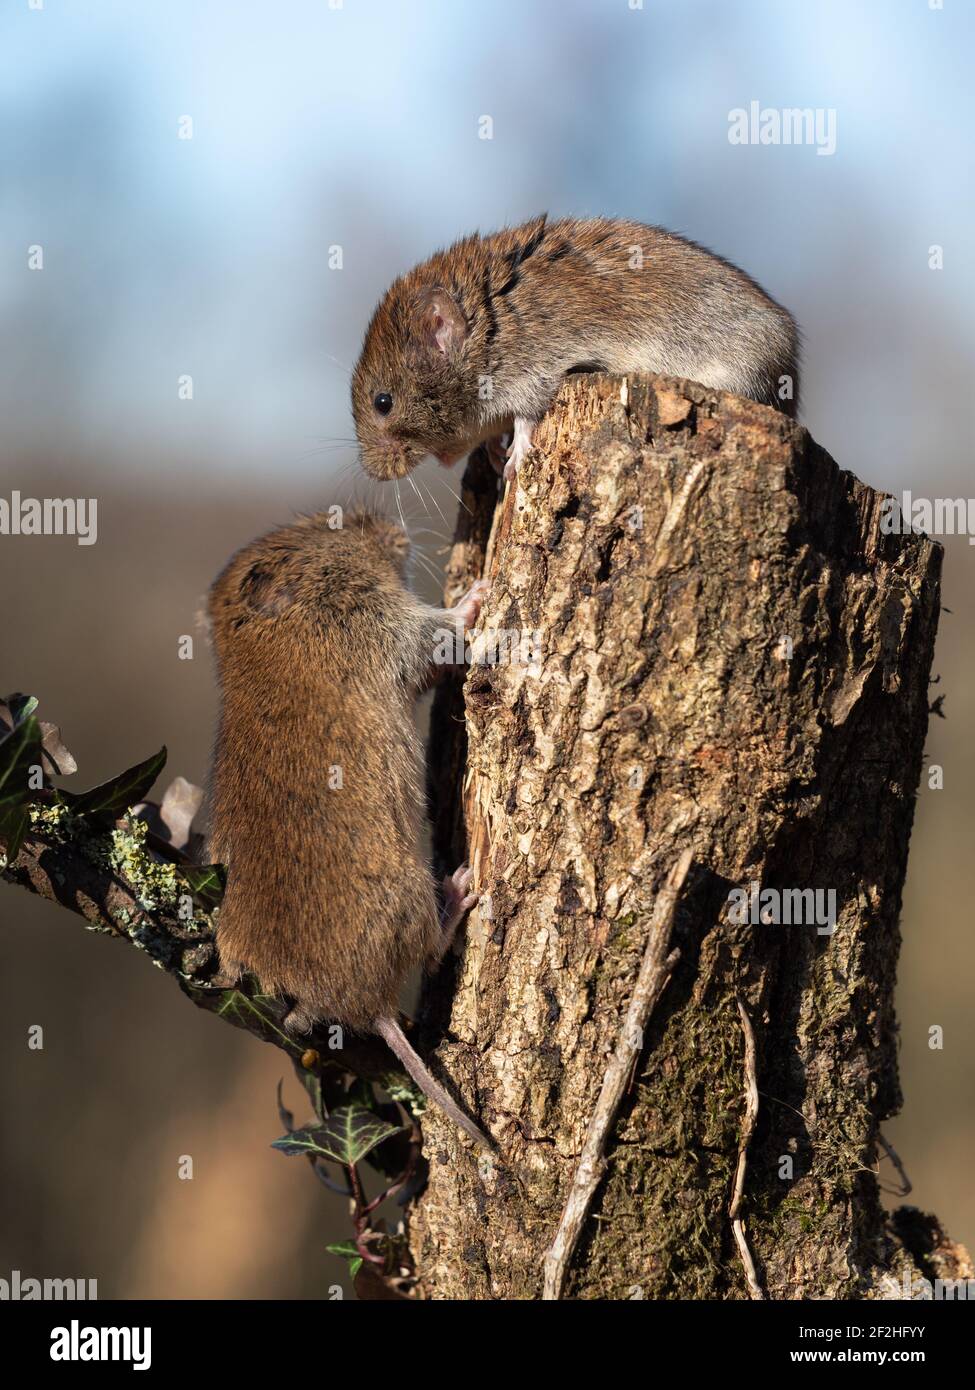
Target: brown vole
[(317, 791), (474, 342)]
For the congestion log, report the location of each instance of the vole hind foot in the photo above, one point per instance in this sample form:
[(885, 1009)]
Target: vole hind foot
[(520, 445), (456, 901), (298, 1021)]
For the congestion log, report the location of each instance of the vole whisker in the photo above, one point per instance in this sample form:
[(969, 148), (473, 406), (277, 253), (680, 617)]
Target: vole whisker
[(460, 500), (336, 362), (399, 505), (433, 499), (412, 481), (429, 569)]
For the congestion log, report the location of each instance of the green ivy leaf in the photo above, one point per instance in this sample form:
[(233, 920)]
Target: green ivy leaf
[(391, 1158), (360, 1092), (113, 798), (246, 1011), (207, 882), (346, 1136), (301, 1141), (21, 706), (20, 750), (347, 1250), (14, 821), (312, 1083)]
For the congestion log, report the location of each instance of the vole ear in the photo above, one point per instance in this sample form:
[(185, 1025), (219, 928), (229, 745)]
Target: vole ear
[(441, 323), (263, 594)]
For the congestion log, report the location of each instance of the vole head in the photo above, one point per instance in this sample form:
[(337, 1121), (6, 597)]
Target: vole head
[(414, 390), (310, 580)]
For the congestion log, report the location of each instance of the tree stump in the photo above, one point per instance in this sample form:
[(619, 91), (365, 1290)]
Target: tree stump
[(721, 652)]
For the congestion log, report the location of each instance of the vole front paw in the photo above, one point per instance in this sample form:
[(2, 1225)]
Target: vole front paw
[(521, 443), (468, 608)]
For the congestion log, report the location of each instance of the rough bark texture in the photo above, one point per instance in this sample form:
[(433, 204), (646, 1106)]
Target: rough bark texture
[(668, 543)]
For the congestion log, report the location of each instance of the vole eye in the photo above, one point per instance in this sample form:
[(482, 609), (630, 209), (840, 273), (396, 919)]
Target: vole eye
[(383, 402)]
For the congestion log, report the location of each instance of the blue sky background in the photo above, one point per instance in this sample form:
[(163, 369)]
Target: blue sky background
[(357, 126)]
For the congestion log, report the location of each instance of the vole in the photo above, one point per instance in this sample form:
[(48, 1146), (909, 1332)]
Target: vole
[(474, 342), (317, 790)]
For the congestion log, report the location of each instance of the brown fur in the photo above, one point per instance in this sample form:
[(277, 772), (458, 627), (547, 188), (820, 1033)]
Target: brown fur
[(522, 307), (320, 651)]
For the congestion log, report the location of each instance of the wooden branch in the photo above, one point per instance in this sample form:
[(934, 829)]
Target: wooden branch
[(74, 874), (71, 865)]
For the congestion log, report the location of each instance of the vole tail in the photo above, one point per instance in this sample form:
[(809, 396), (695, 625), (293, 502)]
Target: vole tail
[(394, 1038)]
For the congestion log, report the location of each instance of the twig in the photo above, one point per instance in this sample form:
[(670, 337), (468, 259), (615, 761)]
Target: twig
[(655, 970), (744, 1139), (360, 1218), (891, 1152)]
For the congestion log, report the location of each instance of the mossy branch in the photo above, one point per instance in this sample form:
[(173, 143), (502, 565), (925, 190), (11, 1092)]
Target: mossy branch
[(113, 877)]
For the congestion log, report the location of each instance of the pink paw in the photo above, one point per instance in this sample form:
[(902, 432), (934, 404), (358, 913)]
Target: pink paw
[(456, 901), (469, 608), (520, 446)]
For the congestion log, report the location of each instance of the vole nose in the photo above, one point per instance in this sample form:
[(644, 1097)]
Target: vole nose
[(395, 462), (396, 466)]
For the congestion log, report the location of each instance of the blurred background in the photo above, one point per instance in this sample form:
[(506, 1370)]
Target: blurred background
[(317, 126)]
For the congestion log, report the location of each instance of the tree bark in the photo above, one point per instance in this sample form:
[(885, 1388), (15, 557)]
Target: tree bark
[(725, 655)]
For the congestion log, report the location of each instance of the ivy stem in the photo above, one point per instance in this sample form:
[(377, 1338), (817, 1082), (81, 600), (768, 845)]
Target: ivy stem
[(360, 1217)]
